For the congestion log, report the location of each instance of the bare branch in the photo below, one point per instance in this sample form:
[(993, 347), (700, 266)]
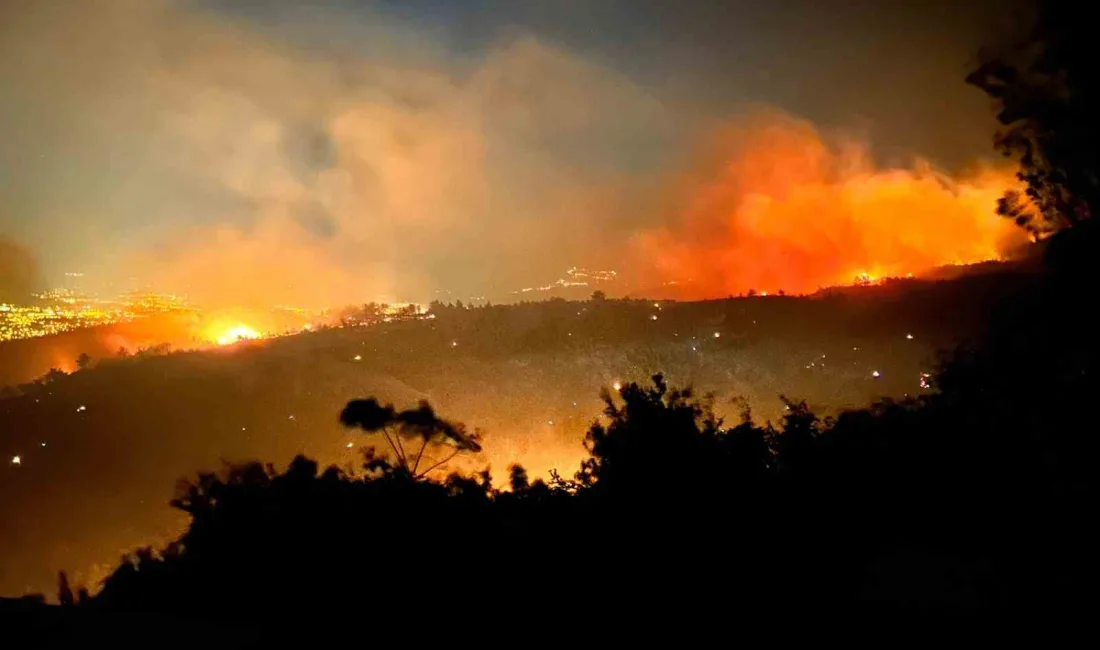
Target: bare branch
[(419, 454), (442, 462), (400, 458)]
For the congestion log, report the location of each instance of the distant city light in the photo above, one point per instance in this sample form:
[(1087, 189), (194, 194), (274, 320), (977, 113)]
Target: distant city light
[(909, 336), (350, 445), (81, 408), (357, 357), (717, 335), (16, 460), (875, 373), (617, 386), (653, 317)]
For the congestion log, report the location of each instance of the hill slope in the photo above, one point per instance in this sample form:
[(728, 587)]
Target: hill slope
[(99, 449)]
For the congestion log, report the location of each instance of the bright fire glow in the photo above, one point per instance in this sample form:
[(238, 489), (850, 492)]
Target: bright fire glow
[(774, 203), (237, 333)]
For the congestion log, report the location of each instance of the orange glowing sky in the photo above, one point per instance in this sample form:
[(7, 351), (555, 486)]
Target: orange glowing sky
[(249, 157), (775, 205)]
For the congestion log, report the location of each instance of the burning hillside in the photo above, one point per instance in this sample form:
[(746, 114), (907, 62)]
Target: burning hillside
[(775, 205)]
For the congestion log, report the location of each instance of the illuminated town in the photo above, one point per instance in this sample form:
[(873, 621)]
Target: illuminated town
[(62, 310)]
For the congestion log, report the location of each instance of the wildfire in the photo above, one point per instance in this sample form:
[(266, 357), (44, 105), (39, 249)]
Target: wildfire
[(777, 205), (237, 333)]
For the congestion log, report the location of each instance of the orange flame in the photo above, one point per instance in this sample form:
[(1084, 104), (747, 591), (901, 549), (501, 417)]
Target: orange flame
[(234, 334), (776, 207)]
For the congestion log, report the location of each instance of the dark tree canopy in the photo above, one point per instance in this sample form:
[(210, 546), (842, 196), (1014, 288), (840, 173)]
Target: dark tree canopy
[(1044, 85)]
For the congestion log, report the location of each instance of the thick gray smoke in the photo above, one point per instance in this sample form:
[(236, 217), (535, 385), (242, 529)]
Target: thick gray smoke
[(18, 272), (317, 156), (201, 155)]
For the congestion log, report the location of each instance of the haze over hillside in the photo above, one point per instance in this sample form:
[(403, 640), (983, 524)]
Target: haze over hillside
[(98, 448)]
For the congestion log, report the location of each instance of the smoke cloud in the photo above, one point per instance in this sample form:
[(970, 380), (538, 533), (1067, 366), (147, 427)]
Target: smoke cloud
[(775, 205), (190, 151), (241, 170), (18, 272)]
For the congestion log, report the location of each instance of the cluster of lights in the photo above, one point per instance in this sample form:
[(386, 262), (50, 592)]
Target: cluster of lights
[(65, 310), (574, 278)]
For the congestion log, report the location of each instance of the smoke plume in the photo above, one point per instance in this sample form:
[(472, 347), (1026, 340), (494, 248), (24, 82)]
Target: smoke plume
[(772, 204), (163, 144), (18, 272)]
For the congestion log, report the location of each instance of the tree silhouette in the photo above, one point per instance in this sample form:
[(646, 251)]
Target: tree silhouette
[(661, 441), (64, 591), (1044, 84), (51, 376), (83, 362), (420, 424)]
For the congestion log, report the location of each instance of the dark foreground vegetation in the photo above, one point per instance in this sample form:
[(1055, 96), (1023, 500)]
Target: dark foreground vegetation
[(975, 498)]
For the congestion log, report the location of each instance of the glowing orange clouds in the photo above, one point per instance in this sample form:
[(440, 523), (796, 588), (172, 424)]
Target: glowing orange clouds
[(774, 206)]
